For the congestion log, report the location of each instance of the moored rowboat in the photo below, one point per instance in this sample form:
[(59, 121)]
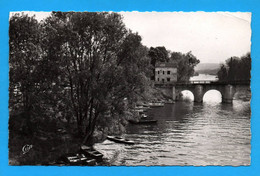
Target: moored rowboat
[(143, 121), (120, 140), (78, 159), (144, 116), (158, 104), (91, 152)]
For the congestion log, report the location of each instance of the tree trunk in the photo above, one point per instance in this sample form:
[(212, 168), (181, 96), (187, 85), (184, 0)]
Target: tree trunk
[(90, 130)]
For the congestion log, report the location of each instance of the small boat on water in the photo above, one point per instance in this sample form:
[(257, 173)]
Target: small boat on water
[(169, 102), (144, 116), (146, 105), (91, 152), (157, 104), (139, 110), (142, 121), (139, 107), (120, 140), (78, 159)]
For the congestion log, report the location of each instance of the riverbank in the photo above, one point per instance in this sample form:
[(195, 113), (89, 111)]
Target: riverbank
[(47, 141), (50, 139)]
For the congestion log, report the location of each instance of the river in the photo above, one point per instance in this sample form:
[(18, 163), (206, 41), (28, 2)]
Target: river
[(188, 133)]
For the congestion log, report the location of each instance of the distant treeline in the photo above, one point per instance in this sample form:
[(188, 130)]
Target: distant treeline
[(236, 69), (208, 71)]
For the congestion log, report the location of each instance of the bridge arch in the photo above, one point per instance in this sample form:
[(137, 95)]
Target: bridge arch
[(212, 95), (187, 95), (178, 92), (227, 91)]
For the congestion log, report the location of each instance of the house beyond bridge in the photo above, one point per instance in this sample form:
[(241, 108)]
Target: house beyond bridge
[(165, 73)]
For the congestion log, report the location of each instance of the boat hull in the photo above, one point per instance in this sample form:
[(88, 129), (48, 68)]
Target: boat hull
[(120, 140), (156, 104), (78, 159), (92, 153), (143, 121)]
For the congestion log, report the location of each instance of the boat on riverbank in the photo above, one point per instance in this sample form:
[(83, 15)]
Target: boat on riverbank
[(141, 108), (91, 153), (120, 140), (144, 116), (142, 121), (78, 159), (169, 102), (156, 104)]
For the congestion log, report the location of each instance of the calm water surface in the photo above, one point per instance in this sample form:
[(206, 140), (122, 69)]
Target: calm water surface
[(187, 133)]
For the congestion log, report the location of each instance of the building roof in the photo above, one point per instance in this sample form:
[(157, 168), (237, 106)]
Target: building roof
[(165, 65)]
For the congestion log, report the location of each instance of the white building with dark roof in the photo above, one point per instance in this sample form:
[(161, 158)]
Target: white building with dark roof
[(165, 73)]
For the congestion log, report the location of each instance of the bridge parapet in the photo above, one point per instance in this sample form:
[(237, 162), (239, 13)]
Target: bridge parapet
[(202, 82), (199, 88)]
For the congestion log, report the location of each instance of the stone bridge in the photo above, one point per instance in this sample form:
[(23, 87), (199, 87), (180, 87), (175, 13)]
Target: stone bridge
[(199, 88)]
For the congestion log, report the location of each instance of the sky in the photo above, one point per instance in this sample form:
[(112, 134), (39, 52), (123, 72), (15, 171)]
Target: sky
[(212, 37)]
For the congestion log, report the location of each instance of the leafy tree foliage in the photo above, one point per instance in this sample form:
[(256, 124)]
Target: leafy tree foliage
[(158, 54), (24, 58), (185, 64), (236, 69), (81, 66)]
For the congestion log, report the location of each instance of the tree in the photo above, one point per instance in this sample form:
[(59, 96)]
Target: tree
[(100, 62), (81, 66), (185, 64), (236, 69), (24, 59), (222, 73), (157, 54), (246, 64)]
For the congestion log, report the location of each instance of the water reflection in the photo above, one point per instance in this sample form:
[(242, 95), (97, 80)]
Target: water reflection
[(188, 133)]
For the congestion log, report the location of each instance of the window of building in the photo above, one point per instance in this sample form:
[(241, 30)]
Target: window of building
[(163, 72), (168, 72), (158, 79), (158, 72), (163, 80), (168, 79)]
